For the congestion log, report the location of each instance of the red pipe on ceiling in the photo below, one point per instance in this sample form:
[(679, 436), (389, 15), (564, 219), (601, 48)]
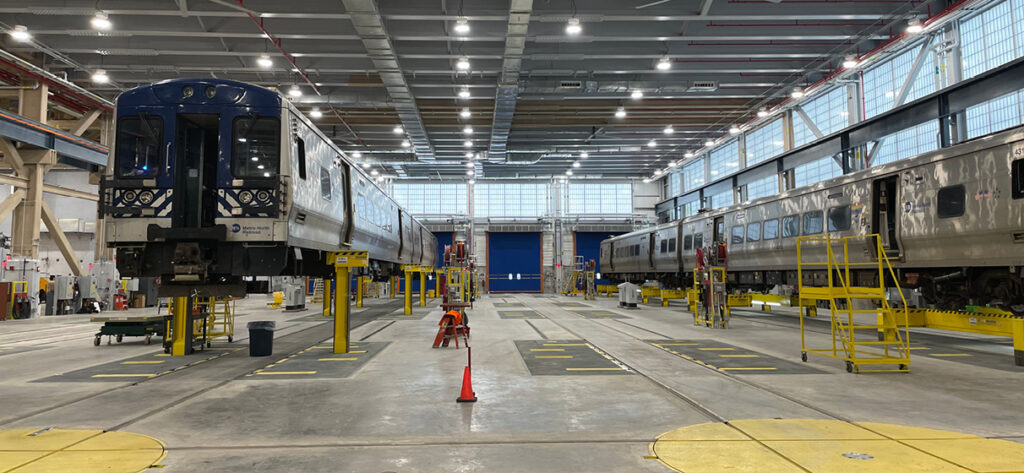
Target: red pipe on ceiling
[(57, 87)]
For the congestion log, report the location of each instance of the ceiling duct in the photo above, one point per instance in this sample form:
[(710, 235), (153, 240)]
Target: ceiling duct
[(508, 83), (369, 25)]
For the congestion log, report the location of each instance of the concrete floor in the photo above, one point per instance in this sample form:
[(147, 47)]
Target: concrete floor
[(395, 411)]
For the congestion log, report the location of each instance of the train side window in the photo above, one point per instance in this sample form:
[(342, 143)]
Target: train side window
[(139, 146), (770, 229), (664, 246), (791, 226), (754, 231), (672, 245), (687, 242), (839, 219), (300, 145), (1017, 173), (698, 240), (325, 183), (813, 222), (636, 250), (737, 235), (952, 201)]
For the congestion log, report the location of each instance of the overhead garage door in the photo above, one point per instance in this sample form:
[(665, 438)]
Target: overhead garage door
[(514, 261), (588, 245)]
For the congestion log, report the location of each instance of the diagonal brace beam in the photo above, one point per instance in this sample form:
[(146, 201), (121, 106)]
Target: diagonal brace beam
[(10, 203), (61, 239)]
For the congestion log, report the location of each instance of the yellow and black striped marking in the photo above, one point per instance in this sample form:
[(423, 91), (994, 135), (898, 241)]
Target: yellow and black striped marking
[(730, 358), (568, 357)]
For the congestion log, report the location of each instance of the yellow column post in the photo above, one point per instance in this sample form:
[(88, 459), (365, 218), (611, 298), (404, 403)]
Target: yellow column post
[(359, 291), (341, 309), (393, 286), (181, 330), (408, 292), (327, 298), (423, 288), (1018, 341)]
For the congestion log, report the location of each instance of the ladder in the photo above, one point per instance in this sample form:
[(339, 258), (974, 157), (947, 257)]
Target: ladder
[(854, 286), (318, 291)]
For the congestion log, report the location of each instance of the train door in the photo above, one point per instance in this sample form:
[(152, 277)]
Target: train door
[(884, 205), (719, 230), (350, 206), (651, 248), (195, 170)]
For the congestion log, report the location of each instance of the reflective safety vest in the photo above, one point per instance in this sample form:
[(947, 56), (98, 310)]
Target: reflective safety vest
[(455, 314)]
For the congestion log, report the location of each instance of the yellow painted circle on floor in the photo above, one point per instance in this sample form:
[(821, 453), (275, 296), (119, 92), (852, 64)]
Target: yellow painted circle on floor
[(830, 446), (82, 451)]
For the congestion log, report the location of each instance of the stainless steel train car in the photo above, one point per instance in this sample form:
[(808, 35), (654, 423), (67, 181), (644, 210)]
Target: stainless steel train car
[(952, 221), (212, 180)]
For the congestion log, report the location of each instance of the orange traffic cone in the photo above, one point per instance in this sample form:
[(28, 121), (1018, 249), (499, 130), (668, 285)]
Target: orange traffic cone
[(467, 388)]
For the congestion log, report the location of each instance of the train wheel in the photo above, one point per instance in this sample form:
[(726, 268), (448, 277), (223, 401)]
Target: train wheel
[(849, 367)]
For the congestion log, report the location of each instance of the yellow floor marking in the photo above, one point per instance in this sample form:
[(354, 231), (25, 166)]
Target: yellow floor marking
[(717, 349), (565, 344), (124, 375), (919, 348), (675, 344), (162, 354), (739, 356), (593, 369), (746, 369), (287, 372), (358, 351), (147, 362), (337, 359), (553, 356), (950, 354), (547, 349)]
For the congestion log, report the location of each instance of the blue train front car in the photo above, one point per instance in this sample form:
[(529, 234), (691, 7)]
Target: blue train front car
[(197, 186)]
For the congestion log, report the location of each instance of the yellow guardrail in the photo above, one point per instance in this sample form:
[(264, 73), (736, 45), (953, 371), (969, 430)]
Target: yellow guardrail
[(649, 291), (607, 289), (669, 294)]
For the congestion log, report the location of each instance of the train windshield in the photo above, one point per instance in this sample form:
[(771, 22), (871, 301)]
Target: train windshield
[(256, 146), (138, 146)]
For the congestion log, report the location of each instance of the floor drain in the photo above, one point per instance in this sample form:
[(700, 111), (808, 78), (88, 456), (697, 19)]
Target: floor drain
[(858, 456)]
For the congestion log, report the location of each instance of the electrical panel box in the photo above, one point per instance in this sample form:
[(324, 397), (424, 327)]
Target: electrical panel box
[(63, 287)]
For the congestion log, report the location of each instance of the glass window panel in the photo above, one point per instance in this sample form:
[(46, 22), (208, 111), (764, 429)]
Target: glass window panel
[(771, 229), (828, 111), (816, 171), (762, 187), (764, 143), (693, 175), (725, 160)]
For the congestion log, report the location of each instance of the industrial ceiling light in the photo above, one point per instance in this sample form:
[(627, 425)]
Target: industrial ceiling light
[(469, 164), (584, 155), (462, 25), (374, 172), (101, 21), (673, 164), (620, 113), (472, 181), (406, 143), (100, 76), (647, 180), (469, 155), (465, 113), (657, 172), (366, 165), (850, 62), (476, 156), (763, 112), (20, 34), (709, 143), (357, 154), (573, 27), (637, 94), (316, 113), (468, 130), (470, 172), (797, 92), (914, 26), (398, 130), (264, 61), (462, 64), (664, 64), (734, 130), (568, 172), (652, 144), (669, 130), (576, 164), (295, 91), (468, 143), (464, 93), (689, 154)]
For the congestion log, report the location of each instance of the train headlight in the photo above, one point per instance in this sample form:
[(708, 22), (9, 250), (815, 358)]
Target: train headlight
[(263, 196), (187, 91), (211, 91), (245, 197), (129, 196), (146, 197)]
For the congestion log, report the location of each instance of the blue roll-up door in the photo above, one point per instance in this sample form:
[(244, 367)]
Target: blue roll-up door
[(588, 245), (514, 262)]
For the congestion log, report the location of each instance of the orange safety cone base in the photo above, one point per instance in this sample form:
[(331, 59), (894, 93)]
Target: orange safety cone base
[(468, 395)]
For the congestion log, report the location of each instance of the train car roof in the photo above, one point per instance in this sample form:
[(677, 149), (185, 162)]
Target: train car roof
[(226, 92)]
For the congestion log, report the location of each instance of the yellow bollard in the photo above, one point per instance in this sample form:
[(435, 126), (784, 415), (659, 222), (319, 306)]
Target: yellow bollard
[(408, 293), (341, 309), (327, 298), (393, 286), (182, 329), (359, 291), (1018, 341), (423, 289)]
